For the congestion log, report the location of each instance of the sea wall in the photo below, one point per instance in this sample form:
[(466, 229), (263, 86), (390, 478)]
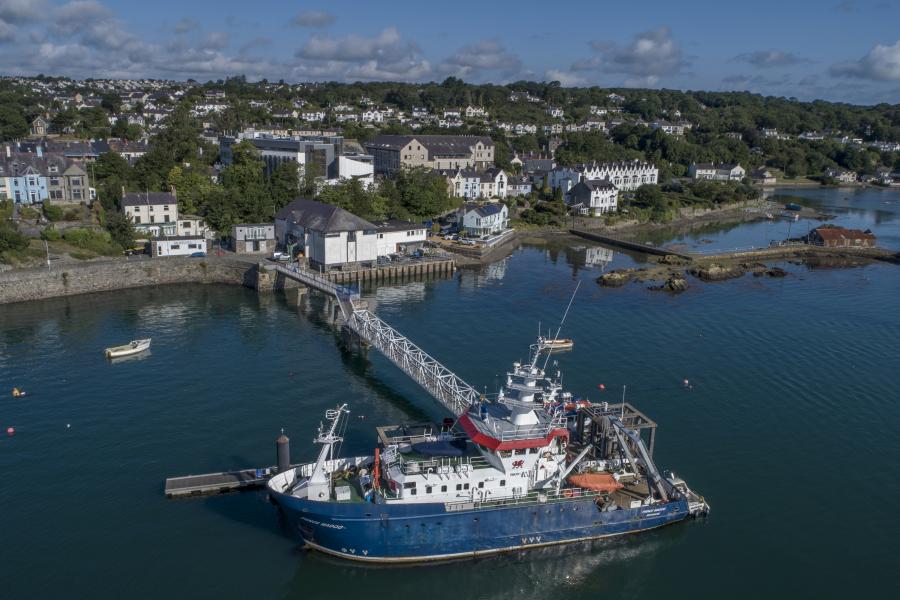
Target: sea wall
[(22, 285)]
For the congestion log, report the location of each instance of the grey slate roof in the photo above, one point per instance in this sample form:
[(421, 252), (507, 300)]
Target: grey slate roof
[(442, 145), (326, 218), (146, 199), (485, 210)]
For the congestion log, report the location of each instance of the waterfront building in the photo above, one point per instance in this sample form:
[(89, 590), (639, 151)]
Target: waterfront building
[(252, 238), (842, 175), (467, 183), (594, 197), (192, 225), (439, 152), (840, 237), (328, 236), (36, 177), (716, 172), (479, 220), (179, 245), (395, 236), (762, 177), (154, 214)]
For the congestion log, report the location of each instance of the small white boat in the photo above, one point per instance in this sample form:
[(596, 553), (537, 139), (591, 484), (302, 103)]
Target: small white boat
[(556, 344), (132, 347)]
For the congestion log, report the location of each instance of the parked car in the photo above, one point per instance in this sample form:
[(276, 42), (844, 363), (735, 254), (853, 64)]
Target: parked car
[(198, 254), (281, 256)]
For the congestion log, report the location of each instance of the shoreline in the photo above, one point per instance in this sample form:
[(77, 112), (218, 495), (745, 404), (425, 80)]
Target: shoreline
[(33, 284)]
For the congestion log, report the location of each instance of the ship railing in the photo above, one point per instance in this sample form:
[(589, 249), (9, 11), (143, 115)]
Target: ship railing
[(532, 497), (531, 431), (443, 465)]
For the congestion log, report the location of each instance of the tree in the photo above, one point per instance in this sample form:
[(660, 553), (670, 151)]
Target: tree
[(12, 124), (245, 182), (284, 183), (111, 172), (120, 229), (111, 102), (10, 238)]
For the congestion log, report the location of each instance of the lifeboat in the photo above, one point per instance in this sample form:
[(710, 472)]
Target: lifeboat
[(598, 482)]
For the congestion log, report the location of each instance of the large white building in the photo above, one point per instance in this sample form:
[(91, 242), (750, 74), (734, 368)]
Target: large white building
[(485, 219), (594, 197), (331, 237), (625, 175)]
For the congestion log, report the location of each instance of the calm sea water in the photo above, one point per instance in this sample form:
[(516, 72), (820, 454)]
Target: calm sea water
[(791, 427)]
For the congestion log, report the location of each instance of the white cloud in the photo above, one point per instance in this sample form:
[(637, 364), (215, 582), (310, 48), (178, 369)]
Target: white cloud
[(21, 11), (565, 78), (7, 32), (882, 63), (649, 53), (314, 18), (383, 56), (762, 59), (471, 61)]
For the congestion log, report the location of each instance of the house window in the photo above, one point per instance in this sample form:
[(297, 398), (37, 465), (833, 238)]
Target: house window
[(458, 487), (166, 208), (502, 482), (137, 219), (175, 246), (186, 224), (428, 489), (443, 488), (54, 181)]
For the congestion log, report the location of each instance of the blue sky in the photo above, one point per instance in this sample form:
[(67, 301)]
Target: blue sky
[(831, 49)]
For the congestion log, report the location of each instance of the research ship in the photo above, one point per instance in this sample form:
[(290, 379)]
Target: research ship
[(531, 467)]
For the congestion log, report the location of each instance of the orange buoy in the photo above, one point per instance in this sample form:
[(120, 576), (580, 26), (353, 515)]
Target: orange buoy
[(10, 430)]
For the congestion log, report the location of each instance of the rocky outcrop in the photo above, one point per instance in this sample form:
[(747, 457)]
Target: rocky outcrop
[(776, 272), (716, 272), (674, 285), (617, 278)]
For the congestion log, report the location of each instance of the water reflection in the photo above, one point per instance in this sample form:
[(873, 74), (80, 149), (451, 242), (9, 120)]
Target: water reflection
[(551, 572)]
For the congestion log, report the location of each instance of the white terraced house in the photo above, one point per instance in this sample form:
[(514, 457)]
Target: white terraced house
[(625, 175)]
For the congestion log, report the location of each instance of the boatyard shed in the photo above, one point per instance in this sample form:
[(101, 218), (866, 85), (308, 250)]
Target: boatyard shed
[(840, 237), (178, 245)]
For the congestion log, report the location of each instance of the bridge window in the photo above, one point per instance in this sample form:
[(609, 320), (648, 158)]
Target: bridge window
[(428, 489), (466, 486), (481, 484), (502, 482), (458, 487), (519, 452)]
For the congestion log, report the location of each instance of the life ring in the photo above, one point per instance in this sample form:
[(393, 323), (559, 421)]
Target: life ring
[(567, 493)]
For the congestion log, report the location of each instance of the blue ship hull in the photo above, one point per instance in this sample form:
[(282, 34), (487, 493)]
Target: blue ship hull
[(415, 532)]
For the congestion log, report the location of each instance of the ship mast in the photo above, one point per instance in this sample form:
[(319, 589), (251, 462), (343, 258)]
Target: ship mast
[(320, 480)]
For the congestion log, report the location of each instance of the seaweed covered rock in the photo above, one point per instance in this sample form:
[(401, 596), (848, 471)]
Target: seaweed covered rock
[(716, 272), (616, 278)]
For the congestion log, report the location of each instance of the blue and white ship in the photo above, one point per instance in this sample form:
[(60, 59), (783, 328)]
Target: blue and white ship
[(531, 468)]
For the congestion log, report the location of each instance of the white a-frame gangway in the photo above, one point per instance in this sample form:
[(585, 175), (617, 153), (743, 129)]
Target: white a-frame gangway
[(439, 381)]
